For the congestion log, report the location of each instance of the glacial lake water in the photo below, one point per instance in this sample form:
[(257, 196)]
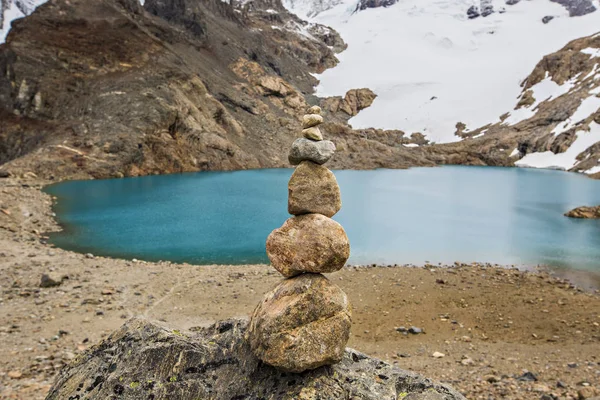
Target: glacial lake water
[(446, 214)]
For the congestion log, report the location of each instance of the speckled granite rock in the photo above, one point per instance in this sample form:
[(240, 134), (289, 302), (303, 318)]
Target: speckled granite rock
[(313, 189), (143, 360), (310, 243), (302, 324)]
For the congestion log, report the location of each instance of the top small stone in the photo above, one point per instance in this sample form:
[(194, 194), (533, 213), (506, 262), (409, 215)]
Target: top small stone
[(310, 120), (314, 110)]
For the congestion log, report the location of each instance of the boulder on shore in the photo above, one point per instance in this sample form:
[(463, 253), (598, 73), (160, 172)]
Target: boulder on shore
[(143, 360), (310, 243), (302, 324), (584, 212)]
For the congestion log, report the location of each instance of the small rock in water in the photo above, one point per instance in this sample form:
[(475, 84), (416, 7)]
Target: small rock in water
[(302, 324), (310, 120), (313, 189), (309, 150), (313, 133), (314, 110), (308, 243)]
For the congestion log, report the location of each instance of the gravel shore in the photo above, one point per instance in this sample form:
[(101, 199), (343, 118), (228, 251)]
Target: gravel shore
[(490, 332)]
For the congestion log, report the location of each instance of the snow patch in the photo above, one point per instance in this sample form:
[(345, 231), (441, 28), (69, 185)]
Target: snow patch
[(593, 170), (410, 145), (588, 106), (593, 72), (591, 51), (515, 152), (544, 90), (431, 67), (566, 160)]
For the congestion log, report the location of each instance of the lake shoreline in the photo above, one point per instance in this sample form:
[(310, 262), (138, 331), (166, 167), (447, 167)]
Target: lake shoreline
[(491, 323), (417, 216)]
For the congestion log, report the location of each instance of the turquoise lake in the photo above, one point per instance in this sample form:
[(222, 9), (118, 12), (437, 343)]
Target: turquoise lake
[(445, 214)]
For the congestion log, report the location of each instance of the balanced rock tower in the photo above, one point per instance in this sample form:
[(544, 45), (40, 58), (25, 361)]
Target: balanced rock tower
[(304, 322)]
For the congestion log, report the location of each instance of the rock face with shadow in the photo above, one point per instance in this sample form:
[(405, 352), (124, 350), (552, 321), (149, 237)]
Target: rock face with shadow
[(143, 360), (111, 88), (584, 212)]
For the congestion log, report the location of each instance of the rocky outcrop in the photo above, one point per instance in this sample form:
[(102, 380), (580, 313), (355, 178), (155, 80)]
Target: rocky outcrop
[(144, 360), (584, 212), (548, 125), (196, 86), (577, 8), (364, 4), (354, 101)]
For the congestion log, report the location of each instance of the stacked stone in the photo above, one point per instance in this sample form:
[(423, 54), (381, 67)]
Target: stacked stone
[(304, 323)]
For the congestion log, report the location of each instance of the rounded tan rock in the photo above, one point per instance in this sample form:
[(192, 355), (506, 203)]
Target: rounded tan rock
[(313, 133), (313, 189), (310, 243), (302, 324), (310, 120), (314, 110)]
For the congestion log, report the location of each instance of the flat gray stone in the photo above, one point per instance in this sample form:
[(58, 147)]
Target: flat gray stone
[(309, 150)]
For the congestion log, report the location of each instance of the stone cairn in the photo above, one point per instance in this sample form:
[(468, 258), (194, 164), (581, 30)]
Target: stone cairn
[(304, 322)]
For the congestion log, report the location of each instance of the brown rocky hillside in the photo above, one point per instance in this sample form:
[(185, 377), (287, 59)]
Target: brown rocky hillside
[(107, 88)]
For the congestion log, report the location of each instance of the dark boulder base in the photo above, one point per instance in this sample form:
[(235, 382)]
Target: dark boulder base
[(143, 360)]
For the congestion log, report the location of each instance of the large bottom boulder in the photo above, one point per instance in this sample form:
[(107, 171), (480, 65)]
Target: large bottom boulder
[(304, 323), (143, 360)]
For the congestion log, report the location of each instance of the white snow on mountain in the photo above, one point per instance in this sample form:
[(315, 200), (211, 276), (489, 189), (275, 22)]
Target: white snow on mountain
[(566, 160), (432, 67), (14, 9), (545, 90), (307, 9)]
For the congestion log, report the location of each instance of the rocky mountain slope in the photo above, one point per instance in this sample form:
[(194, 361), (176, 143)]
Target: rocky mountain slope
[(144, 360), (555, 122), (110, 88), (216, 86)]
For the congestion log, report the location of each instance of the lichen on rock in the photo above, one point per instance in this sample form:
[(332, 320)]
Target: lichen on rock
[(145, 360)]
